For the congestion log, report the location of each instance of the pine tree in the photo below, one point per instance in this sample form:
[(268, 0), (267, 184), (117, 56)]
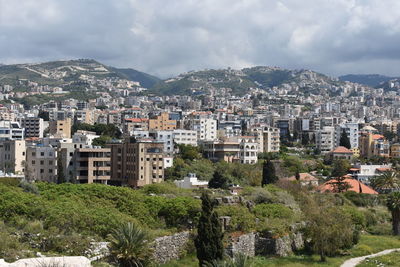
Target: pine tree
[(344, 140), (208, 242), (268, 176), (218, 181)]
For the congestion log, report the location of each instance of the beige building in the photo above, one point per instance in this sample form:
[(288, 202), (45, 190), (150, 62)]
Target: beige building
[(92, 165), (12, 156), (137, 162), (61, 128), (162, 122), (268, 138), (41, 163)]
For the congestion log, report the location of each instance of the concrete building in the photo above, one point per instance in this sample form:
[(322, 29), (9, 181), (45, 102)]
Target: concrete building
[(41, 163), (206, 129), (162, 122), (325, 139), (60, 128), (352, 132), (185, 137), (373, 145), (34, 127), (84, 137), (11, 130), (92, 165), (137, 162), (191, 182), (248, 150), (12, 156), (165, 137)]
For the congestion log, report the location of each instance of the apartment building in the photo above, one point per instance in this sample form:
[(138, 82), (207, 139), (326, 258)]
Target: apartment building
[(41, 163), (12, 156), (84, 137), (325, 139), (34, 127), (162, 123), (248, 150), (92, 165), (373, 145), (268, 138), (11, 130), (352, 132), (185, 137), (60, 128), (137, 162)]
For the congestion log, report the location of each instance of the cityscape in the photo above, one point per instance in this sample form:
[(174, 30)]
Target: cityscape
[(193, 161)]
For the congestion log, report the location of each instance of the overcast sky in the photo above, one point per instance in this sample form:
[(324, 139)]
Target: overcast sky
[(167, 37)]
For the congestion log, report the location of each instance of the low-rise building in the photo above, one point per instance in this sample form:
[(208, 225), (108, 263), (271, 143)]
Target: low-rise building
[(191, 182)]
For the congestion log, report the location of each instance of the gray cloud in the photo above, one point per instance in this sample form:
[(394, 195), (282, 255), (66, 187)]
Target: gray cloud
[(166, 37)]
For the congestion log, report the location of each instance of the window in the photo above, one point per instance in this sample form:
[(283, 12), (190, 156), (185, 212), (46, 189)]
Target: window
[(42, 154), (50, 162), (33, 162), (42, 162), (41, 170)]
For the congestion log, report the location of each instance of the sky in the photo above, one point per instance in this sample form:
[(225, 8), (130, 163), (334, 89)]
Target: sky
[(168, 37)]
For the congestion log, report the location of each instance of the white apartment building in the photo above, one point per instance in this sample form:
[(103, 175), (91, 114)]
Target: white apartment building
[(206, 129), (185, 137), (325, 139), (351, 131), (166, 137), (41, 163), (248, 150), (11, 130), (268, 138)]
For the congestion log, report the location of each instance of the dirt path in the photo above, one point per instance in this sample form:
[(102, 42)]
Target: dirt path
[(354, 261)]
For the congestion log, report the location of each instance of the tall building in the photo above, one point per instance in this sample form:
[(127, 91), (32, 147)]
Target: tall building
[(325, 139), (185, 137), (137, 162), (92, 165), (352, 133), (373, 145), (60, 128), (12, 156), (34, 127)]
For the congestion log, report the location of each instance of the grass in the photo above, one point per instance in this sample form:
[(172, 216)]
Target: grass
[(368, 244), (392, 259)]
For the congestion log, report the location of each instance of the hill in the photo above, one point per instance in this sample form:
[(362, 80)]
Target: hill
[(372, 80), (239, 82), (58, 73)]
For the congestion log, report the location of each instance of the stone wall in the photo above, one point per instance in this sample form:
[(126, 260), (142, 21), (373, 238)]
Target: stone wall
[(170, 247), (254, 244), (244, 244)]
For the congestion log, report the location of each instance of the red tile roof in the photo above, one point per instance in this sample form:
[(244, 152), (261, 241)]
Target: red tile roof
[(355, 186), (304, 176), (342, 150)]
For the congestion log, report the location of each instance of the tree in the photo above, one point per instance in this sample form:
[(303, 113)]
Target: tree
[(344, 140), (340, 167), (219, 180), (305, 140), (393, 204), (329, 230), (209, 245), (189, 152), (268, 176), (387, 181), (101, 141), (339, 184), (129, 245)]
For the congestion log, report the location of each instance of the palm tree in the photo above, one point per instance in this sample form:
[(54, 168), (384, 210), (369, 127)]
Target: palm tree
[(393, 204), (387, 181), (129, 246)]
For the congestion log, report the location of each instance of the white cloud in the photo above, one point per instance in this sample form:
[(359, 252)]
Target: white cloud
[(166, 37)]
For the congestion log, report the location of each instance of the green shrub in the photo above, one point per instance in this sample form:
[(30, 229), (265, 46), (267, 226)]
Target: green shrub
[(29, 187), (272, 211), (241, 218), (180, 211), (357, 216)]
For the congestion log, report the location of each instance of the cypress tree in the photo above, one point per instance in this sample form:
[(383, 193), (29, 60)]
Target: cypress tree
[(305, 140), (208, 242), (60, 171), (268, 175), (297, 175), (344, 140)]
